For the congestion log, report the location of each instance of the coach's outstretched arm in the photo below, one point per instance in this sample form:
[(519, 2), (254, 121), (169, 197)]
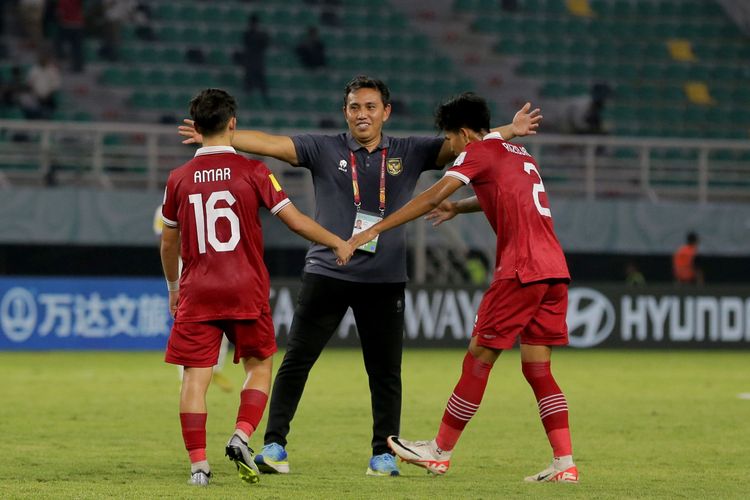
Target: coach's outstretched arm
[(312, 231), (256, 142), (525, 122)]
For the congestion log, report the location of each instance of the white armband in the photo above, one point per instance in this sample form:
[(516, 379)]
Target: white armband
[(173, 286)]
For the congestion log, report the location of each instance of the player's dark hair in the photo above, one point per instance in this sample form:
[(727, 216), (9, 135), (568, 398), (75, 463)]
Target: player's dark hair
[(692, 238), (365, 82), (211, 110), (464, 110)]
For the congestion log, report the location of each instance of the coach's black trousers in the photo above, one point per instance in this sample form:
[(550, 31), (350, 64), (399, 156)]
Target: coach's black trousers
[(379, 314)]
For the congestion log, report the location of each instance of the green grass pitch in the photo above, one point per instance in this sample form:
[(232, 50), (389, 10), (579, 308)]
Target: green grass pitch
[(644, 424)]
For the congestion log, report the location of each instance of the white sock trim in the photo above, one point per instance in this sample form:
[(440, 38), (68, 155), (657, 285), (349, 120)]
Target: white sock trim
[(563, 462), (202, 465)]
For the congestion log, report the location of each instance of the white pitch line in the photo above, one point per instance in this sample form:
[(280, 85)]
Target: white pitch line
[(743, 395)]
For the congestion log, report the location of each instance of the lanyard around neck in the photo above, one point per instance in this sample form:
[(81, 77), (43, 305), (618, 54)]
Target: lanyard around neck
[(355, 183)]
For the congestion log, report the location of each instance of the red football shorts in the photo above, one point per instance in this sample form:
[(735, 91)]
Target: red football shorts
[(197, 344), (535, 312)]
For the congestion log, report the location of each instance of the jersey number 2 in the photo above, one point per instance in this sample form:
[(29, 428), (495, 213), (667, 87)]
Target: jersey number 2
[(213, 214), (538, 188)]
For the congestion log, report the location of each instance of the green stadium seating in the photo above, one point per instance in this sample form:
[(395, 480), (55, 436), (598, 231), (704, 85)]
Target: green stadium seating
[(625, 44)]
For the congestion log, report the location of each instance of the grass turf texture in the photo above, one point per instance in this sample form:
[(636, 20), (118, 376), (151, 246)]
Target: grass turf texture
[(645, 425)]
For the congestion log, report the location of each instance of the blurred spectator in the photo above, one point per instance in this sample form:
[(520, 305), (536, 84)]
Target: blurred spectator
[(684, 266), (116, 13), (633, 275), (600, 92), (142, 22), (11, 91), (70, 32), (32, 13), (256, 42), (311, 51), (44, 82), (585, 112)]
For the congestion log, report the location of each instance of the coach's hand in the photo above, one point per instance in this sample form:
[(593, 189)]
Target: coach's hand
[(443, 212), (343, 252), (525, 122), (188, 130)]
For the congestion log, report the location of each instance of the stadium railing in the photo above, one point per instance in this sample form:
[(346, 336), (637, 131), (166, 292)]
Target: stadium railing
[(140, 156)]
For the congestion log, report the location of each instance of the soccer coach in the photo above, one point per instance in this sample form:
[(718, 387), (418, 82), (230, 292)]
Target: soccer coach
[(360, 175)]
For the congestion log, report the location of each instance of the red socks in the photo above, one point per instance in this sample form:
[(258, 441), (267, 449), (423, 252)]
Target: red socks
[(467, 395), (252, 405), (553, 408), (464, 402), (194, 435)]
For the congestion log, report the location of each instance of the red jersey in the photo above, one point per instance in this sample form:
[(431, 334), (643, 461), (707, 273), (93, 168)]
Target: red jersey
[(509, 188), (70, 13), (683, 263), (214, 200)]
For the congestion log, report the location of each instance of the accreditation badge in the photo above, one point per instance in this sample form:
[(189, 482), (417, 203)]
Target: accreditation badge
[(362, 222)]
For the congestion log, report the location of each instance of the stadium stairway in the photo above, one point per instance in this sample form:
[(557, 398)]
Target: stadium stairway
[(489, 72), (197, 45)]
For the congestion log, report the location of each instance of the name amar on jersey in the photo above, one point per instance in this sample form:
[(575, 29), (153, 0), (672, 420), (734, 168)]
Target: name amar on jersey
[(213, 175)]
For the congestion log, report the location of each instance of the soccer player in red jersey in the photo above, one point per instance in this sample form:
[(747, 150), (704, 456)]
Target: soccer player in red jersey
[(528, 295), (211, 219)]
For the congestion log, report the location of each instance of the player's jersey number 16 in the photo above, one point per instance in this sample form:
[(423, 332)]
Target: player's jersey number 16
[(212, 215)]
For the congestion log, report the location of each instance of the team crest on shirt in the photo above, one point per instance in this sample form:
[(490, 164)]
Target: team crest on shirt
[(342, 165), (394, 166)]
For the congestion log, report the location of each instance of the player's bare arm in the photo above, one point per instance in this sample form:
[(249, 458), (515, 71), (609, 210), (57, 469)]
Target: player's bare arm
[(417, 207), (170, 252), (449, 209), (525, 122), (256, 142), (311, 230)]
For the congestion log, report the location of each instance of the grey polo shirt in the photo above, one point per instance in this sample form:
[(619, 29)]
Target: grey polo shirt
[(327, 157)]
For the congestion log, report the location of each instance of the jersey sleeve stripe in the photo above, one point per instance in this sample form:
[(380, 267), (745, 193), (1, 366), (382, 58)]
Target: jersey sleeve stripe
[(169, 223), (277, 208), (461, 177)]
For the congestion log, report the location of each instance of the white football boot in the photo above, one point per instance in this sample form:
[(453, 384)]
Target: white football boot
[(424, 454)]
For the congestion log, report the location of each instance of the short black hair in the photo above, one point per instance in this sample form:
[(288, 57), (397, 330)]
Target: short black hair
[(692, 238), (365, 82), (211, 110), (464, 110)]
